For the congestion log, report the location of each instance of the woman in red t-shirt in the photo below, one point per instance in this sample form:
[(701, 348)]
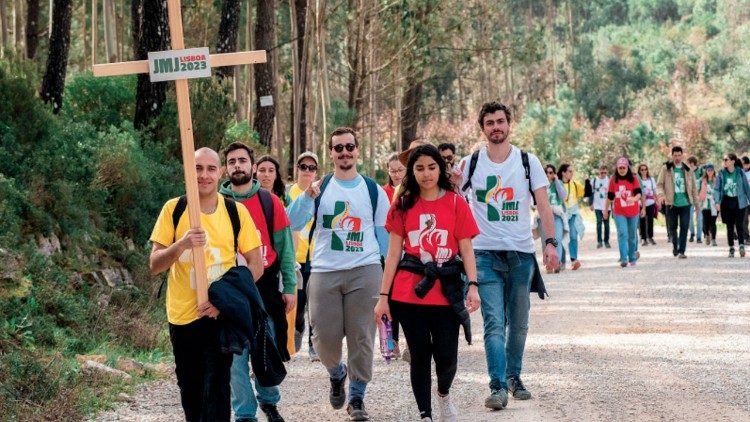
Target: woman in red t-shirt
[(433, 225), (625, 193)]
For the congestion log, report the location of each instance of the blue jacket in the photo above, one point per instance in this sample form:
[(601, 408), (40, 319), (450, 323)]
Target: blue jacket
[(743, 189)]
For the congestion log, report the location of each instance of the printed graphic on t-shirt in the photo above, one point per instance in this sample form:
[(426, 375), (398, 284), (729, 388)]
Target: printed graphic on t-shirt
[(552, 195), (499, 200), (342, 220), (430, 240), (679, 182), (263, 250), (212, 257), (623, 194), (730, 187)]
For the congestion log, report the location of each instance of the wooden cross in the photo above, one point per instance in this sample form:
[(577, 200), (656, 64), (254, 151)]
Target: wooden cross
[(185, 122)]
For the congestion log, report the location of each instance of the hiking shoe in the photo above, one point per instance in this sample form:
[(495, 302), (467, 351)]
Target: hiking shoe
[(644, 242), (606, 245), (356, 411), (651, 241), (515, 386), (637, 254), (708, 240), (698, 240), (731, 252), (742, 251), (297, 341), (497, 400), (272, 413), (713, 242), (674, 252), (337, 395), (632, 264), (599, 245), (575, 265), (682, 256), (692, 238), (623, 264), (426, 419), (448, 412), (406, 355)]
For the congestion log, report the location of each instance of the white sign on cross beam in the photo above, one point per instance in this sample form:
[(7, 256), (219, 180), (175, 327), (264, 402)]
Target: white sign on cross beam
[(185, 119)]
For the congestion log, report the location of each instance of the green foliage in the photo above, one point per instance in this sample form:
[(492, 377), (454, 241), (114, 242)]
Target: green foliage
[(242, 132), (102, 102), (212, 112), (655, 10), (340, 114)]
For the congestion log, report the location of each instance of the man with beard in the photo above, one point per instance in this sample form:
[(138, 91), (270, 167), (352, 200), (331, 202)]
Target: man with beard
[(278, 257), (202, 369), (503, 181), (345, 273), (676, 189)]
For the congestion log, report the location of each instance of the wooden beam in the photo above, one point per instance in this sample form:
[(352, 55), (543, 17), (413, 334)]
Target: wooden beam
[(215, 60)]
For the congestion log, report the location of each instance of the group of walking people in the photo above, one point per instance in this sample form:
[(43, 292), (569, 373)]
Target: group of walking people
[(437, 243), (690, 196)]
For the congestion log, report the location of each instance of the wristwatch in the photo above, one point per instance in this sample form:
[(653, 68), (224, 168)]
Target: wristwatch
[(550, 241)]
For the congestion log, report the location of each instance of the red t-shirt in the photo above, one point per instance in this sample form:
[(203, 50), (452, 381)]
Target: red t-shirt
[(624, 189), (431, 230), (280, 222), (389, 191)]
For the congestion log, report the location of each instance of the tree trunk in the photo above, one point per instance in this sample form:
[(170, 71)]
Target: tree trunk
[(410, 110), (110, 30), (32, 30), (250, 80), (323, 77), (3, 28), (300, 34), (265, 84), (19, 27), (228, 29), (150, 33), (53, 82)]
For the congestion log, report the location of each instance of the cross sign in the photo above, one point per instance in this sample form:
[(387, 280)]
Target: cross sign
[(177, 62)]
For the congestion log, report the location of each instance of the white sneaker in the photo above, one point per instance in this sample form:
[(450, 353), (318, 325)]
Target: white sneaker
[(448, 412)]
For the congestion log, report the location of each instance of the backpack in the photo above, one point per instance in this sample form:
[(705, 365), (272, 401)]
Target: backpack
[(266, 203), (372, 190), (180, 208), (524, 162)]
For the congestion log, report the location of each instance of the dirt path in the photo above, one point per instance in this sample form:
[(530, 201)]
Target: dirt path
[(666, 340)]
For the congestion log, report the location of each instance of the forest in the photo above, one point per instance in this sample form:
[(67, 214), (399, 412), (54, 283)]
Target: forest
[(86, 163)]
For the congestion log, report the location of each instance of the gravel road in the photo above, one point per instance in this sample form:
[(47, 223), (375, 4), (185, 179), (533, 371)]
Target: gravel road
[(665, 340)]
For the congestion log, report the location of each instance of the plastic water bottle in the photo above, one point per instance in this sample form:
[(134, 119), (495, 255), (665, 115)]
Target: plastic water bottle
[(385, 331)]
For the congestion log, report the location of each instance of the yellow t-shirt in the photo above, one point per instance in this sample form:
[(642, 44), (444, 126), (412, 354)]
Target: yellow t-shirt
[(304, 234), (182, 300), (575, 191)]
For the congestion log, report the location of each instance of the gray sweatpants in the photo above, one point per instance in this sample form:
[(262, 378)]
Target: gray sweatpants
[(341, 305)]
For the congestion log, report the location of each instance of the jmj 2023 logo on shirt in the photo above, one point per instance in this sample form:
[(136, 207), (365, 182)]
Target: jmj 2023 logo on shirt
[(501, 205), (342, 220)]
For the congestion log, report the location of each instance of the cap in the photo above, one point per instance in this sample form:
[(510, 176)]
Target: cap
[(403, 156), (307, 154), (708, 166), (623, 162)]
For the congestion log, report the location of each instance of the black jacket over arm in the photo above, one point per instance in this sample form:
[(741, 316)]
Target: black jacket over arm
[(244, 323)]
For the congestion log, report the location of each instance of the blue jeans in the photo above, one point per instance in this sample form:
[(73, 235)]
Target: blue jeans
[(601, 225), (627, 237), (573, 243), (559, 228), (504, 284), (244, 402), (696, 223)]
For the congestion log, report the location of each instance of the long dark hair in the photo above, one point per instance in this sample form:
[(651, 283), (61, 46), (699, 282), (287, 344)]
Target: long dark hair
[(737, 162), (278, 185), (563, 168), (629, 176), (409, 186), (640, 166), (550, 166)]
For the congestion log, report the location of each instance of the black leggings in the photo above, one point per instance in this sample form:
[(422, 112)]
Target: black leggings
[(431, 333), (731, 215), (647, 223), (709, 224)]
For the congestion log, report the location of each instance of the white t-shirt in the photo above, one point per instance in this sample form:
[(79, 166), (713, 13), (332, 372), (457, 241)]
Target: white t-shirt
[(344, 229), (600, 187), (747, 176), (648, 187), (500, 200)]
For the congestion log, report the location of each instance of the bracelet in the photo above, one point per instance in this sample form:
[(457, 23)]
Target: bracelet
[(473, 283), (384, 294)]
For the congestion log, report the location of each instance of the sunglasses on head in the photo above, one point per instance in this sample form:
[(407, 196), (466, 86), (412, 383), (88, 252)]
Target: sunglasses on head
[(340, 147), (307, 167)]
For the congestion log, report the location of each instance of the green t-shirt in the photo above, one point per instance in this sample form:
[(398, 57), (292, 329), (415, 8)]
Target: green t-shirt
[(554, 198), (680, 188), (731, 184)]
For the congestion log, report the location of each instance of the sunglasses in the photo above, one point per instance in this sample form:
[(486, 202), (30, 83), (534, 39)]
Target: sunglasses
[(726, 159), (449, 159), (307, 167), (550, 172), (340, 147)]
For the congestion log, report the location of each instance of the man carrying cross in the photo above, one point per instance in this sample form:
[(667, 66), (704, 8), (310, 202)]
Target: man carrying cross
[(201, 367)]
